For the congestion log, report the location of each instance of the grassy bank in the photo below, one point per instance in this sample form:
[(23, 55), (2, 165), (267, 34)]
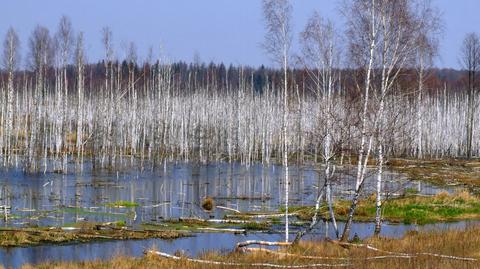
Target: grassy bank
[(458, 243), (408, 209), (86, 232), (441, 172)]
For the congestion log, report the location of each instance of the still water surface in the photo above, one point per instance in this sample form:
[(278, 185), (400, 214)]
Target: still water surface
[(171, 191)]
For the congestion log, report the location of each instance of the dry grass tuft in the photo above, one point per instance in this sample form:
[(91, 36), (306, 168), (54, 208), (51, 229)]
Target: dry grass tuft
[(208, 204)]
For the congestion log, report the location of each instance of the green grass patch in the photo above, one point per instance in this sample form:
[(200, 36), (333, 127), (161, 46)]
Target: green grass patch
[(409, 209)]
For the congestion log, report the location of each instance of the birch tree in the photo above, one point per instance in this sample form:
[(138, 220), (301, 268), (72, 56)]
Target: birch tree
[(10, 63), (80, 68), (396, 51), (107, 41), (41, 55), (429, 27), (321, 59), (64, 38), (277, 44), (363, 27)]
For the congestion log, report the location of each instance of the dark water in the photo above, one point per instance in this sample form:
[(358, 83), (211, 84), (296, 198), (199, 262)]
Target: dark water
[(171, 191)]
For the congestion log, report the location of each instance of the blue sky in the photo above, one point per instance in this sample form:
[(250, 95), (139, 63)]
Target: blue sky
[(227, 31)]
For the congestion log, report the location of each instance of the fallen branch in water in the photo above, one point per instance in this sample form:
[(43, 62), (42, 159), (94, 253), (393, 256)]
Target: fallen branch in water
[(271, 265), (156, 205), (228, 209)]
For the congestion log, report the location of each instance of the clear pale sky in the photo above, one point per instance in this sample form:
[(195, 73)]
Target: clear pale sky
[(228, 31)]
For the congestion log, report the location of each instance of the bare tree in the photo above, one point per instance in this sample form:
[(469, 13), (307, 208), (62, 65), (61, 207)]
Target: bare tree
[(41, 55), (429, 28), (470, 56), (277, 43), (10, 62), (397, 48), (363, 27), (132, 95), (64, 39), (80, 64), (321, 59), (107, 41)]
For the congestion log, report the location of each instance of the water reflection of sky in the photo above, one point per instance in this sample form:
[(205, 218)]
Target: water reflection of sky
[(171, 191), (174, 190)]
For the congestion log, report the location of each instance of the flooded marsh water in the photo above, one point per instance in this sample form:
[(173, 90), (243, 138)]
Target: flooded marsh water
[(172, 191)]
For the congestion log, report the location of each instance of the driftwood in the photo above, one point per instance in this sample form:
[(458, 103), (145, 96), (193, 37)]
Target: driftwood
[(228, 230), (269, 265), (390, 254), (286, 254), (232, 221), (261, 216), (240, 245), (412, 255)]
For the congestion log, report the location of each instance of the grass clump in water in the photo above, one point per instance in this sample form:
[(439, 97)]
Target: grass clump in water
[(257, 226), (122, 203)]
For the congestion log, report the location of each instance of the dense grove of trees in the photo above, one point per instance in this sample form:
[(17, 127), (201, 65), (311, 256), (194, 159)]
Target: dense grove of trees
[(157, 110)]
